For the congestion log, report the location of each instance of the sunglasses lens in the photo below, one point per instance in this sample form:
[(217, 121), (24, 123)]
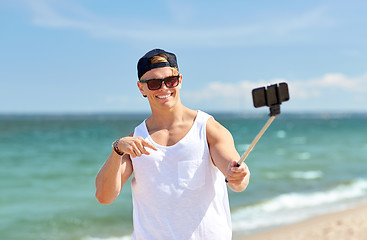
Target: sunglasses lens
[(171, 82), (154, 84)]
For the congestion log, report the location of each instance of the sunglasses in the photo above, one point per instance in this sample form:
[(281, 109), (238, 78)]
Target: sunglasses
[(155, 84)]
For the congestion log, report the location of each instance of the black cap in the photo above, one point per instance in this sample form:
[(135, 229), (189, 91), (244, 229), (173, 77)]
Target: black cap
[(144, 64)]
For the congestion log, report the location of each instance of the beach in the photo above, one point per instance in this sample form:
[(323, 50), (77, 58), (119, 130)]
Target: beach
[(348, 224)]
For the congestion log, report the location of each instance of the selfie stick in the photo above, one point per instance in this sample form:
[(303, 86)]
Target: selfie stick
[(271, 96), (257, 138)]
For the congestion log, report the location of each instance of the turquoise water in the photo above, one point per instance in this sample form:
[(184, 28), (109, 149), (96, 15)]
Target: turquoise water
[(300, 168)]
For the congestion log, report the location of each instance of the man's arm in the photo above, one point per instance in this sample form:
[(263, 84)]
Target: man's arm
[(112, 177), (225, 156), (117, 169)]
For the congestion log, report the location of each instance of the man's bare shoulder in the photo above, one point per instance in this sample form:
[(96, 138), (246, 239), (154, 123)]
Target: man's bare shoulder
[(213, 125), (216, 131)]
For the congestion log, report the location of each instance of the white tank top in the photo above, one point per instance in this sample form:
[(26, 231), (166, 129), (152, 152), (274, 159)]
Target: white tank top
[(178, 194)]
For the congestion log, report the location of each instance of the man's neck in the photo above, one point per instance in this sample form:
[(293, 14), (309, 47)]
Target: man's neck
[(165, 119)]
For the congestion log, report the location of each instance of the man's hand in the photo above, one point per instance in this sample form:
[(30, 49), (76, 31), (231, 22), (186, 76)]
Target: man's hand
[(135, 146), (237, 177)]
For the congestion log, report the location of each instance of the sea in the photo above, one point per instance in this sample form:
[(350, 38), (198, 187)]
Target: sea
[(305, 165)]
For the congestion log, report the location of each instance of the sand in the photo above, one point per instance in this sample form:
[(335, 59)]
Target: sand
[(344, 225)]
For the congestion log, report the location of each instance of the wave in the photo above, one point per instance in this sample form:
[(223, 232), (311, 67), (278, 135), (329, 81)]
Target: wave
[(281, 134), (306, 175), (108, 238), (292, 207)]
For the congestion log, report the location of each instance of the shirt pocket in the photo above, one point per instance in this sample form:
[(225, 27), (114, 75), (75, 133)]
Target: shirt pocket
[(191, 174)]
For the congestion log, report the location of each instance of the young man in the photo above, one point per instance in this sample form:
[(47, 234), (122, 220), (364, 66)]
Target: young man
[(180, 159)]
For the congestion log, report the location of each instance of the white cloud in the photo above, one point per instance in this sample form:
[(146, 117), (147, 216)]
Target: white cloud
[(351, 84), (324, 91), (329, 82)]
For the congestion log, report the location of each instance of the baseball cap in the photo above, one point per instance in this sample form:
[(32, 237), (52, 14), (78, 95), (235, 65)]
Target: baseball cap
[(144, 64)]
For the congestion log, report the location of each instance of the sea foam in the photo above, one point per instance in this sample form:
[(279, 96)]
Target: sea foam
[(108, 238), (292, 207)]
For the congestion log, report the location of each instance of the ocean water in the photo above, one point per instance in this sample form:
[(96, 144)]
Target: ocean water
[(302, 167)]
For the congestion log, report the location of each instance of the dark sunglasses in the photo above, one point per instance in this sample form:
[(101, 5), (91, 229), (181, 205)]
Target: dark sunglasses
[(155, 84)]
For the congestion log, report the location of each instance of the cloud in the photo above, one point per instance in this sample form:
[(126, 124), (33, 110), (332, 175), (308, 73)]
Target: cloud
[(220, 96), (329, 82), (67, 15), (225, 90), (320, 92)]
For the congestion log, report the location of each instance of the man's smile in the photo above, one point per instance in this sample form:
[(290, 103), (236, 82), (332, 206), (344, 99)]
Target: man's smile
[(164, 96)]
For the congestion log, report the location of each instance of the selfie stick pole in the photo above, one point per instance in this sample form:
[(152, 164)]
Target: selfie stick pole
[(274, 110), (257, 138)]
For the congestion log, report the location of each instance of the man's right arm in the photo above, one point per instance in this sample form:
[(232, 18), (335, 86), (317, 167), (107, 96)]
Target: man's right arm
[(117, 169), (112, 177)]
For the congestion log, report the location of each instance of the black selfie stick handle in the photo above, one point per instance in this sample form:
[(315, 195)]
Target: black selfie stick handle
[(237, 165)]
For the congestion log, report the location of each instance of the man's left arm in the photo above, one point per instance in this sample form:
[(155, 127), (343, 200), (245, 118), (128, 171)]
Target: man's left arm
[(225, 156)]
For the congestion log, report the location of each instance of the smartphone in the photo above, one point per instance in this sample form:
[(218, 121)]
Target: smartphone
[(271, 95)]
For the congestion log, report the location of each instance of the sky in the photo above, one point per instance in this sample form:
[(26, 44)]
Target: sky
[(80, 56)]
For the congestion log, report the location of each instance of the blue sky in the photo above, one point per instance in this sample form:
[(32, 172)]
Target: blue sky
[(80, 56)]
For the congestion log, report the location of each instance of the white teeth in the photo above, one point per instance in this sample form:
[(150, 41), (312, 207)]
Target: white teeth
[(163, 97)]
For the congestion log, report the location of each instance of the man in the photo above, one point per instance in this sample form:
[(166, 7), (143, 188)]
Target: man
[(180, 159)]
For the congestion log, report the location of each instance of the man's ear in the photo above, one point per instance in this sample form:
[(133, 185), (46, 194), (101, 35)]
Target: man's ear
[(140, 86)]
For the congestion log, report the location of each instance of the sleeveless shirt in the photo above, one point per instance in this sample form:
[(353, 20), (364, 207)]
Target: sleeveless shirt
[(178, 193)]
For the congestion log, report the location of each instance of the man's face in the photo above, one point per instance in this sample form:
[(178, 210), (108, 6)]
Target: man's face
[(164, 96)]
